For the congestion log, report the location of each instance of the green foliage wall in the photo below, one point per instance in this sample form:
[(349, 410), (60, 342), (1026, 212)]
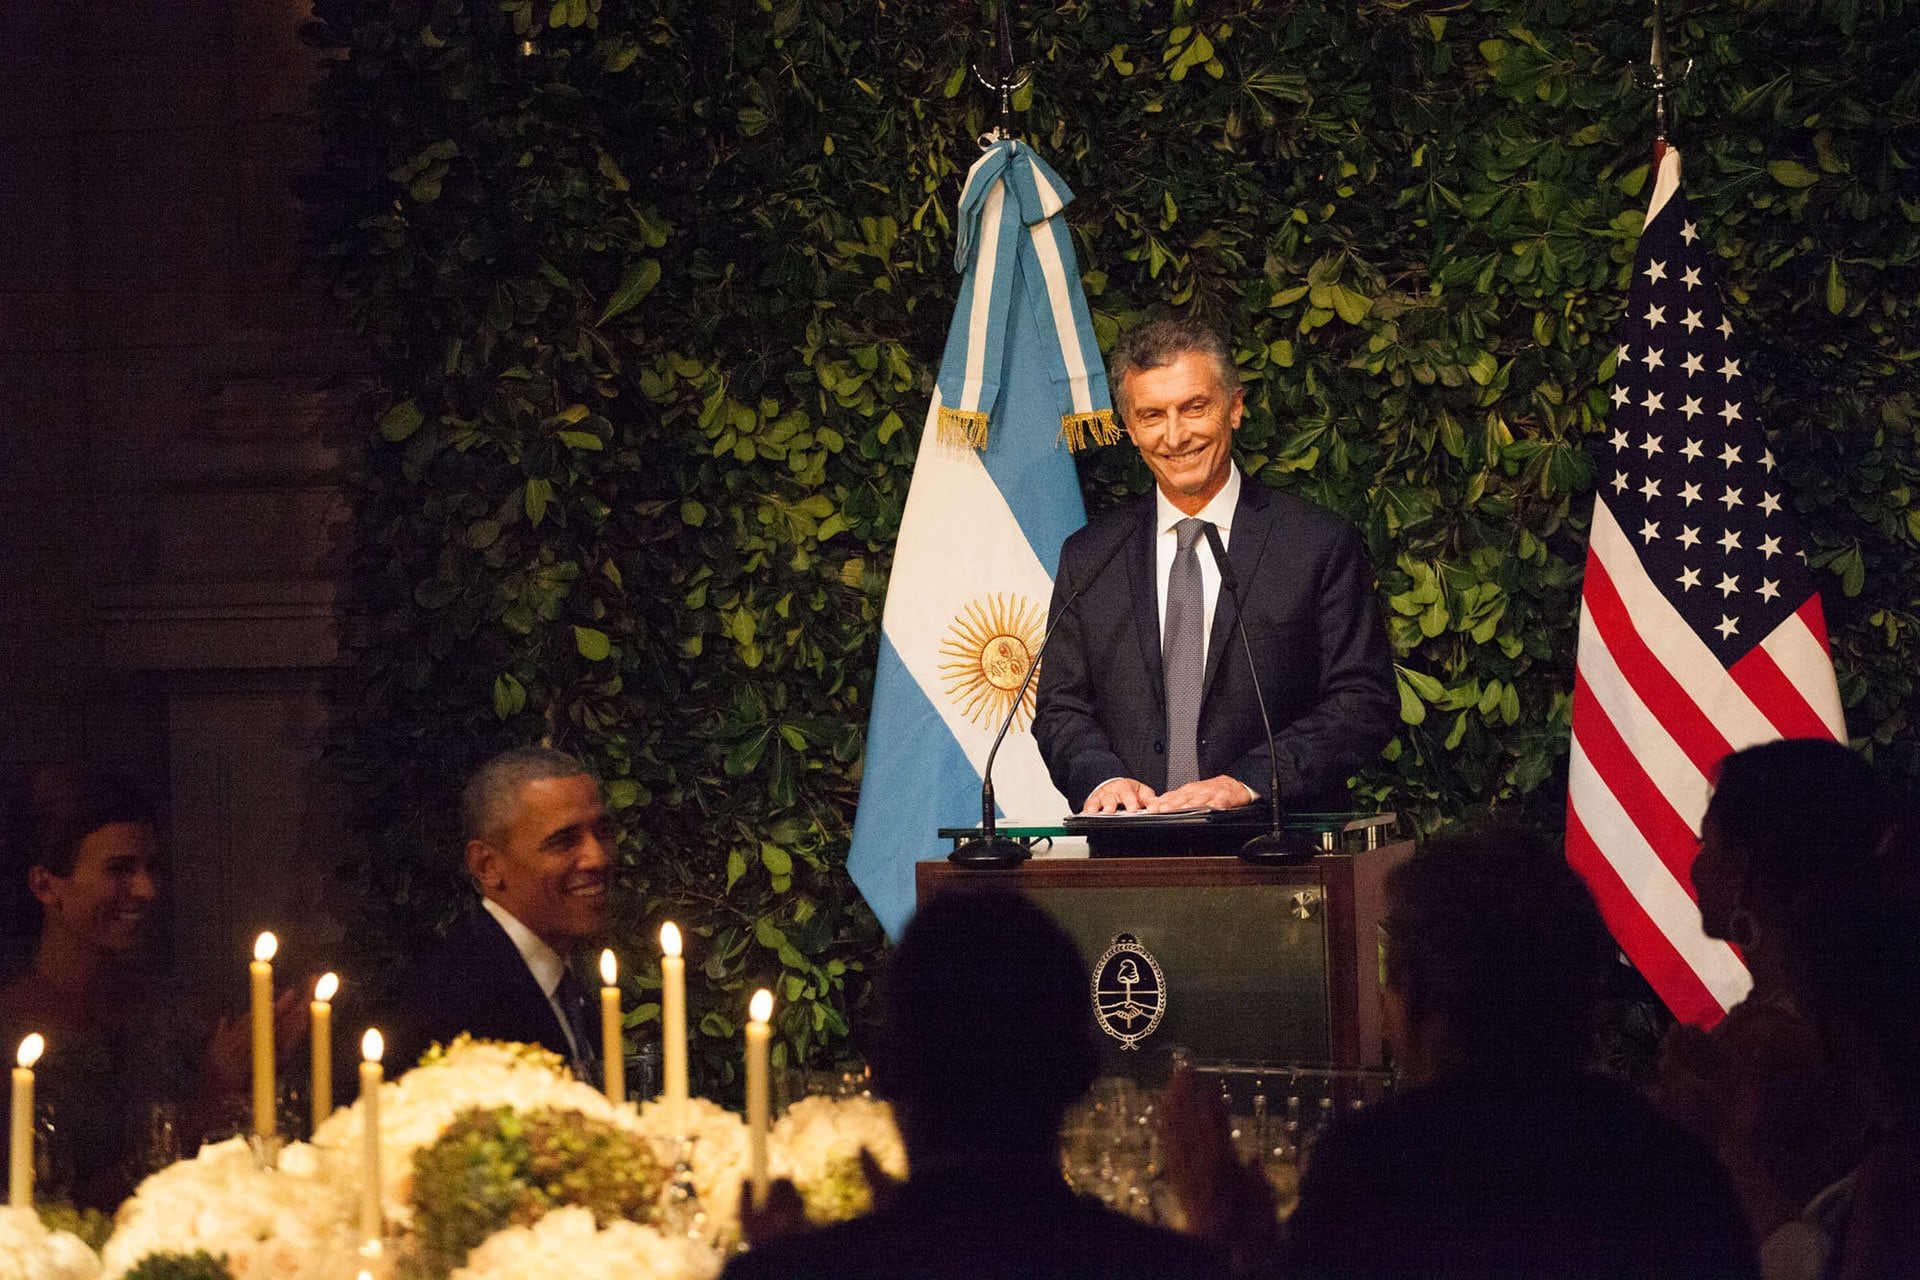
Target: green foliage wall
[(656, 289)]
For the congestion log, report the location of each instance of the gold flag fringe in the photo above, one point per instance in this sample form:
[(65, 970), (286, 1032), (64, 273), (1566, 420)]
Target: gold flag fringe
[(966, 427), (1100, 425)]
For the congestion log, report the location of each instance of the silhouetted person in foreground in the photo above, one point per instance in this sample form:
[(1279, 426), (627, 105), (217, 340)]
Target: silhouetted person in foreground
[(1787, 819), (1500, 1156), (1855, 969), (987, 1038)]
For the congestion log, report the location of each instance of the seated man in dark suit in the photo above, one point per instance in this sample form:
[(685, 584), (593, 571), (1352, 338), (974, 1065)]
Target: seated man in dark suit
[(987, 1039), (1146, 700), (540, 848)]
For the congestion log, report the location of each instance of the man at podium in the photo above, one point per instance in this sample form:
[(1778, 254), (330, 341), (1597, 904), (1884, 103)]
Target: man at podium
[(1146, 699)]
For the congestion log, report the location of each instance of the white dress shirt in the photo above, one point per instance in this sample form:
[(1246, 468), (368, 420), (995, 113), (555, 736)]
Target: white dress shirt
[(542, 961), (1166, 544), (1218, 512)]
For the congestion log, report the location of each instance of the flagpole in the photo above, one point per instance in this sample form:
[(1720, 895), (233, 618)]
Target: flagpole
[(1005, 82), (1659, 83)]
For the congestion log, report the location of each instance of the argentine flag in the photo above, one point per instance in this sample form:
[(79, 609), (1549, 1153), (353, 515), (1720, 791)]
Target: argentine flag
[(994, 494)]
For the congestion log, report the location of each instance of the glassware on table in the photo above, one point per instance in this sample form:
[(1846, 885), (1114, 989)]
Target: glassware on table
[(160, 1137), (644, 1076), (52, 1158), (1110, 1150)]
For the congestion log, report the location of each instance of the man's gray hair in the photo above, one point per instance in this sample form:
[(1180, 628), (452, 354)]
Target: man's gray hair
[(489, 796), (1158, 344)]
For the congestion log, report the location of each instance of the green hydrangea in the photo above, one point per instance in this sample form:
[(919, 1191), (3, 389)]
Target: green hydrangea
[(842, 1195), (198, 1265), (92, 1226), (497, 1167)]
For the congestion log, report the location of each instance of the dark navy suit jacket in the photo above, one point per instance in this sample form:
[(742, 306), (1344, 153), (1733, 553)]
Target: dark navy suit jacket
[(1314, 626), (476, 983)]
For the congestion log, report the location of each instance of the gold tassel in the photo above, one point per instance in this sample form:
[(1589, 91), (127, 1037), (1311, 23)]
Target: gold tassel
[(1100, 425), (966, 427)]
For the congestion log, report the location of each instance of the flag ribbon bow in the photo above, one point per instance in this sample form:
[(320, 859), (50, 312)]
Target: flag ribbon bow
[(1012, 240)]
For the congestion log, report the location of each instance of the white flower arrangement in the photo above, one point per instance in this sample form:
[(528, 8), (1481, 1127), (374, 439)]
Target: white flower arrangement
[(566, 1244), (817, 1144), (29, 1251), (719, 1156), (294, 1223), (417, 1108)]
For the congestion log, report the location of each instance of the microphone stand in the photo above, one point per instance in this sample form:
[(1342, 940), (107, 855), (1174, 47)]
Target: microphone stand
[(989, 848), (1276, 845)]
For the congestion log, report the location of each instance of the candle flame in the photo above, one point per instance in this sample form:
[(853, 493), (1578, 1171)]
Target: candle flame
[(372, 1045), (31, 1048), (670, 938), (327, 988), (265, 946), (760, 1008), (609, 968)]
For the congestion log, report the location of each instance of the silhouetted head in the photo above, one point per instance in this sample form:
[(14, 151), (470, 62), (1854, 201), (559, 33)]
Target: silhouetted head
[(1783, 814), (1495, 956), (987, 1033)]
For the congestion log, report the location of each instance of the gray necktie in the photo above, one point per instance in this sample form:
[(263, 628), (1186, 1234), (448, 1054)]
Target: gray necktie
[(1183, 651)]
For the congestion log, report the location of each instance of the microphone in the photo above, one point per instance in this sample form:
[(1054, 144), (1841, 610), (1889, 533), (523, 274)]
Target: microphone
[(1277, 844), (988, 849)]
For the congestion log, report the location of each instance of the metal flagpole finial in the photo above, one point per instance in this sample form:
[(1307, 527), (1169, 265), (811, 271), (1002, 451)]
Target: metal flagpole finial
[(1660, 76), (1005, 81)]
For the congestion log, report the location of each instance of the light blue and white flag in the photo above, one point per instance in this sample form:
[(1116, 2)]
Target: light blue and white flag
[(994, 494)]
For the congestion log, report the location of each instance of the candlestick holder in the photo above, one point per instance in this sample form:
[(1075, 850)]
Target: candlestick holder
[(682, 1213), (266, 1149), (373, 1260)]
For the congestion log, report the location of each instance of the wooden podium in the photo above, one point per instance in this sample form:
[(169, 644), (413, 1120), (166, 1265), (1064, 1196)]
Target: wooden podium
[(1276, 965)]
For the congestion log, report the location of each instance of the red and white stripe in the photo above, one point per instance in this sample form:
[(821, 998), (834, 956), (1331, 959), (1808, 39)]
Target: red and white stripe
[(1654, 713)]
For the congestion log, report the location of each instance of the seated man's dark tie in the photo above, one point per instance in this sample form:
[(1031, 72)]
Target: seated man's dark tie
[(571, 996)]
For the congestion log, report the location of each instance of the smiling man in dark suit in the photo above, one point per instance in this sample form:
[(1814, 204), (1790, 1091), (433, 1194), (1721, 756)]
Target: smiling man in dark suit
[(1145, 698), (540, 848)]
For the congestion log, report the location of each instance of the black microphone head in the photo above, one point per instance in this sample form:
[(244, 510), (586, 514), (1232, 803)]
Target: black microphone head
[(1211, 532)]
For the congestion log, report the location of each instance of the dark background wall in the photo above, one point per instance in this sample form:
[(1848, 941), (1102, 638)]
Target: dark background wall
[(168, 488)]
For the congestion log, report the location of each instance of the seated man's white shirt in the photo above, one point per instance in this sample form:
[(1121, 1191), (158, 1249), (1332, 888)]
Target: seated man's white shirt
[(542, 961)]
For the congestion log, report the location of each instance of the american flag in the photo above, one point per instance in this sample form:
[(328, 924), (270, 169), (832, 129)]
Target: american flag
[(1701, 631)]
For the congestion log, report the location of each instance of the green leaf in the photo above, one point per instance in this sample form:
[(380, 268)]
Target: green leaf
[(736, 867), (776, 860), (582, 440), (1791, 173), (638, 282), (1429, 689), (592, 643), (1412, 710), (1351, 306), (509, 696), (539, 493), (400, 421)]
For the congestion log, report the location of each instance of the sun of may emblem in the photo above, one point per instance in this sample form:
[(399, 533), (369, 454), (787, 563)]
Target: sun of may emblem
[(985, 655)]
